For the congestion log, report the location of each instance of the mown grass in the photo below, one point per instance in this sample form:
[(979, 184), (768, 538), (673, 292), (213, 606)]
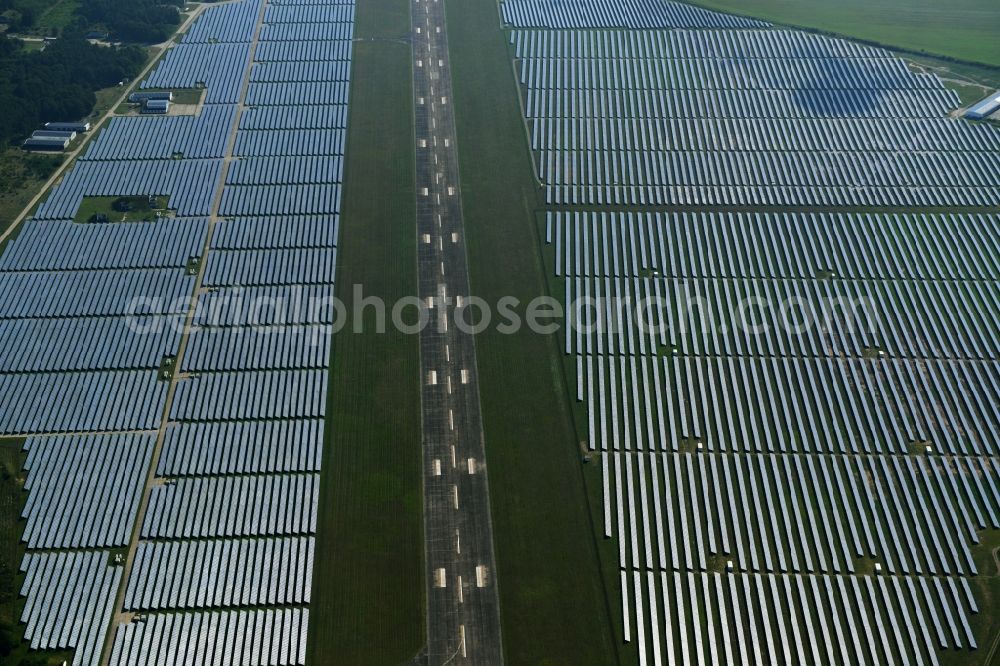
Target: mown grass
[(138, 209), (553, 605), (368, 595), (962, 29), (971, 82)]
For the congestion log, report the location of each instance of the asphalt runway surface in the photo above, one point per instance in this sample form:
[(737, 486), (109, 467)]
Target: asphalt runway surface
[(463, 611)]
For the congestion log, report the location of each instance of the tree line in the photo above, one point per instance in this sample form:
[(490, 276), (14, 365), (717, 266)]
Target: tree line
[(57, 83), (141, 21)]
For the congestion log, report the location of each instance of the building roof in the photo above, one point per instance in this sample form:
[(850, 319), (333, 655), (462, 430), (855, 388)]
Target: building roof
[(985, 108)]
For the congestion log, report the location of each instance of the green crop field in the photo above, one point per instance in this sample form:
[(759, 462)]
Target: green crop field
[(554, 609), (368, 595), (963, 29)]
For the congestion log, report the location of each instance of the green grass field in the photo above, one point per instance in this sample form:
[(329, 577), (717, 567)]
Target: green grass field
[(963, 29), (138, 208), (368, 596), (552, 596), (57, 17), (31, 45)]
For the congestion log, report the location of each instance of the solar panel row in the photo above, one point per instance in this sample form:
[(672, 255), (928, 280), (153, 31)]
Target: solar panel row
[(68, 600), (263, 447), (80, 402), (150, 137), (307, 32), (93, 293), (230, 573), (65, 246), (297, 51), (233, 506), (230, 23), (257, 348), (789, 619), (267, 233), (654, 104), (271, 267), (256, 306), (272, 637), (83, 491), (770, 513), (321, 199), (189, 184), (800, 74), (685, 44), (794, 317), (216, 67), (284, 72), (290, 142), (616, 14), (294, 117), (231, 396), (342, 12), (760, 135), (61, 345), (884, 406), (887, 179), (781, 196), (754, 245)]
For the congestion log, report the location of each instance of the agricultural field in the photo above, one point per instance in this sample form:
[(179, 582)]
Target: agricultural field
[(368, 605), (961, 29), (554, 608)]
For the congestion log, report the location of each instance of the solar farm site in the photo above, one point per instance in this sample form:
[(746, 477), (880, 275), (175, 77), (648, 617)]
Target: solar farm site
[(172, 476), (767, 432), (778, 490)]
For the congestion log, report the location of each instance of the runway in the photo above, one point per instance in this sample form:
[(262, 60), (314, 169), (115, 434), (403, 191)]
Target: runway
[(463, 612)]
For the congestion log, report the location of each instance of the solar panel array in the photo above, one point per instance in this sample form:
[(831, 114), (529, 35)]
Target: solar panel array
[(93, 334), (751, 117), (70, 596), (785, 342), (275, 636), (84, 491)]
